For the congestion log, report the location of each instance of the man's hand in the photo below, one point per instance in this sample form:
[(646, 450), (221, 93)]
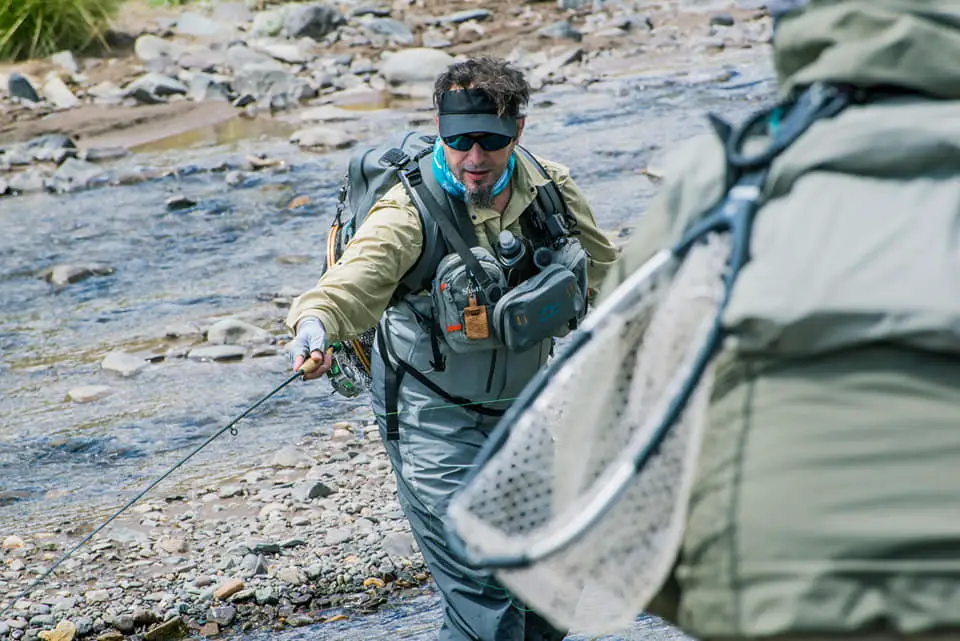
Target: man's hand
[(311, 343)]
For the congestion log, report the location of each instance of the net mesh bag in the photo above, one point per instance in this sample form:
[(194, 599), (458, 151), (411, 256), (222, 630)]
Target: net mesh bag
[(578, 437)]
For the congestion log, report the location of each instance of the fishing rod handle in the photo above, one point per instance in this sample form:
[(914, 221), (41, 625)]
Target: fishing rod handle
[(309, 366)]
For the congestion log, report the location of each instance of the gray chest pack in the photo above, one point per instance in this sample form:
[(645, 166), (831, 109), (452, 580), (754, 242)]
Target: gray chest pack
[(529, 290)]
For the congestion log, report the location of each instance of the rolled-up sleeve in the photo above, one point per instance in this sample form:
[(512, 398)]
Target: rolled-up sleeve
[(352, 295)]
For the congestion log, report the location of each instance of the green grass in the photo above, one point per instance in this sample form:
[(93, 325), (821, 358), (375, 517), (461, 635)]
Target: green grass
[(38, 28), (167, 3)]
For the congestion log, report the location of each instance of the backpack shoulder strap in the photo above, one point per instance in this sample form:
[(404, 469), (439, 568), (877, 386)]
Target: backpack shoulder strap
[(548, 213)]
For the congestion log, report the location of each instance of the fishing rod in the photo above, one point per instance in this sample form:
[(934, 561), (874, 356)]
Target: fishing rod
[(308, 367)]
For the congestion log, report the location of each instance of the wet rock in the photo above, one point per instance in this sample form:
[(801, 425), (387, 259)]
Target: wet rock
[(183, 330), (268, 23), (369, 10), (232, 12), (313, 21), (172, 544), (191, 23), (124, 623), (179, 203), (106, 93), (74, 174), (123, 364), (232, 331), (230, 491), (57, 92), (466, 16), (288, 52), (235, 178), (309, 490), (171, 630), (149, 48), (275, 88), (39, 146), (222, 615), (240, 57), (101, 154), (96, 596), (574, 5), (12, 542), (292, 575), (155, 88), (89, 393), (4, 187), (266, 596), (722, 20), (69, 274), (42, 620), (19, 87), (204, 88), (393, 31), (562, 29), (228, 589), (217, 353), (551, 70), (413, 71), (398, 544), (84, 625), (253, 565), (66, 61), (202, 59), (337, 536), (323, 137), (435, 39)]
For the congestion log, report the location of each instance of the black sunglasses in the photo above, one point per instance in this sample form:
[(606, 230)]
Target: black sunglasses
[(487, 142)]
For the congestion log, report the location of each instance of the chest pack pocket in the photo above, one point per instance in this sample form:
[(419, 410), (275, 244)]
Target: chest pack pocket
[(461, 307), (548, 304)]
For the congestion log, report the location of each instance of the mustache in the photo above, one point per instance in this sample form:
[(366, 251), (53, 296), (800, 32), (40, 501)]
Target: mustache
[(469, 167)]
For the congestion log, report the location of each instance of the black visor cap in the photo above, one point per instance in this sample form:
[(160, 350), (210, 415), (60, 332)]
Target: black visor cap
[(469, 111)]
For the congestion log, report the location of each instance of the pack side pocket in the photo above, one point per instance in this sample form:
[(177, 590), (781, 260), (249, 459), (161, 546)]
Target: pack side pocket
[(541, 307)]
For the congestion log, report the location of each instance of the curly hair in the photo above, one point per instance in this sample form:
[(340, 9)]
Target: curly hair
[(503, 83)]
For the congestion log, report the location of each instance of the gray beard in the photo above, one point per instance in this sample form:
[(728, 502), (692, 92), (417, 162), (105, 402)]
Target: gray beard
[(482, 197)]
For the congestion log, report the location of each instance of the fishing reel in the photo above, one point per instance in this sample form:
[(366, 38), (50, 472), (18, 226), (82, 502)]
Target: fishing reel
[(343, 378)]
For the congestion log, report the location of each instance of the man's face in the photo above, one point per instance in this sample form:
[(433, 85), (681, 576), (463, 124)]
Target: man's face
[(479, 169)]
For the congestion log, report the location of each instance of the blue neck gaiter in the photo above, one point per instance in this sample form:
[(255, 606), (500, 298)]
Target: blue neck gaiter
[(452, 185)]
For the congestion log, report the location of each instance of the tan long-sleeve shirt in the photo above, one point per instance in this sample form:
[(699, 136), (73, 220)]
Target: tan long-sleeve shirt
[(353, 294)]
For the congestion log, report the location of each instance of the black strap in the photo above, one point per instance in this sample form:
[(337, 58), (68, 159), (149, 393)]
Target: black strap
[(430, 324), (551, 218), (424, 200), (391, 391), (439, 363)]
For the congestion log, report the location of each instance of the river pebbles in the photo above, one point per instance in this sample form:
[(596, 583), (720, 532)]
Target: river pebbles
[(314, 534)]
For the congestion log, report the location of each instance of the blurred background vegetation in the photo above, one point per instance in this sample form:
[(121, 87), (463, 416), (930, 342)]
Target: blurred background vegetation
[(39, 28)]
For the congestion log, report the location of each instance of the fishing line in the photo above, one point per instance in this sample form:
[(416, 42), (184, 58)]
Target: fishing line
[(308, 366)]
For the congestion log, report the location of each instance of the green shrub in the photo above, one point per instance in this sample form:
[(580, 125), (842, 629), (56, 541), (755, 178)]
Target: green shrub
[(38, 28)]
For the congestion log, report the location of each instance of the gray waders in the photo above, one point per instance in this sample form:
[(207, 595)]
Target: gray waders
[(432, 444)]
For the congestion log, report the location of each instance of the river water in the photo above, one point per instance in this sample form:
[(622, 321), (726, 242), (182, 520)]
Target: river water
[(229, 255)]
